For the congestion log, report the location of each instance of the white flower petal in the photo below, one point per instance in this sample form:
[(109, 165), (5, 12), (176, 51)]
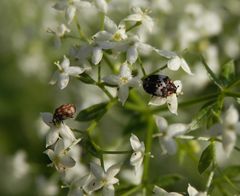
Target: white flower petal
[(97, 171), (161, 192), (192, 191), (50, 154), (113, 171), (161, 123), (134, 17), (169, 145), (47, 118), (102, 36), (63, 80), (111, 79), (185, 66), (108, 190), (93, 185), (70, 13), (74, 71), (157, 101), (52, 137), (125, 71), (148, 23), (231, 116), (67, 161), (172, 103), (61, 30), (54, 78), (144, 48), (178, 84), (82, 4), (165, 53), (66, 133), (176, 129), (123, 93), (97, 55), (110, 25), (132, 54), (135, 82), (228, 140), (136, 159), (111, 181), (59, 147), (65, 63), (101, 5), (135, 142), (174, 63)]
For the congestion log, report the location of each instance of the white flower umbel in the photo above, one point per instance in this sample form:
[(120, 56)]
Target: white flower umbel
[(157, 191), (70, 7), (124, 80), (167, 134), (103, 179), (193, 192), (56, 130), (60, 157), (176, 62), (138, 154), (61, 76), (141, 16), (171, 100), (227, 129)]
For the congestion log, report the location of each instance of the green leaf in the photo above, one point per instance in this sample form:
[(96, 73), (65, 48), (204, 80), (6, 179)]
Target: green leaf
[(85, 78), (168, 180), (228, 70), (212, 75), (93, 112), (206, 158)]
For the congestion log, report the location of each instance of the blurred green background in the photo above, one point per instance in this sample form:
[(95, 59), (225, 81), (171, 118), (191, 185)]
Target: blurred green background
[(27, 54)]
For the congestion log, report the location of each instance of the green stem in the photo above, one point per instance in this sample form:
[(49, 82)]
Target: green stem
[(132, 27), (116, 152), (102, 161), (148, 144), (159, 69), (102, 87), (80, 30), (133, 190), (142, 68), (232, 94), (109, 63), (99, 73), (233, 84)]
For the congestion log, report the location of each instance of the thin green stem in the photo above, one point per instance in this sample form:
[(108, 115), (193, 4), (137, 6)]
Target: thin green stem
[(232, 94), (132, 27), (109, 63), (99, 73), (101, 86), (142, 68), (116, 152), (81, 33), (159, 69), (233, 84), (148, 144), (102, 161), (132, 191)]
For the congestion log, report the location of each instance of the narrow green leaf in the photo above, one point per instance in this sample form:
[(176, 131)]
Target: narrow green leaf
[(228, 70), (212, 75), (232, 171), (206, 158), (85, 78), (93, 112)]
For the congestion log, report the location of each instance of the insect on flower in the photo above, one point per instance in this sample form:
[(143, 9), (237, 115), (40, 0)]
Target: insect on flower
[(159, 85), (64, 112)]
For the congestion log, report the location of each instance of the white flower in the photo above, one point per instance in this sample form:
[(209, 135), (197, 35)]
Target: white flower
[(77, 186), (138, 154), (70, 7), (227, 129), (168, 132), (171, 100), (61, 30), (64, 71), (103, 179), (141, 16), (56, 130), (102, 6), (157, 191), (193, 192), (124, 80), (176, 62), (59, 156)]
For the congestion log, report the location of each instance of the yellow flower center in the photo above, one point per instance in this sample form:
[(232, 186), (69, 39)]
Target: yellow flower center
[(123, 80)]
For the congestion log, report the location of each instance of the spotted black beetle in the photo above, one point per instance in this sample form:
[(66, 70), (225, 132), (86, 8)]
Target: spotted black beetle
[(159, 85)]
